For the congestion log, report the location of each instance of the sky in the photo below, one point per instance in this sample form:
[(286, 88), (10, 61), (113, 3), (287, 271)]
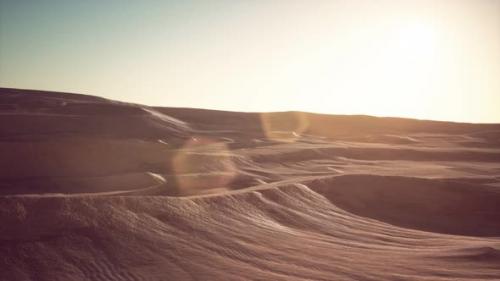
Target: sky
[(421, 59)]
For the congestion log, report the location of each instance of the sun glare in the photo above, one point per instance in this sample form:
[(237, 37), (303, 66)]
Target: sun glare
[(406, 62), (417, 39), (405, 69), (393, 70)]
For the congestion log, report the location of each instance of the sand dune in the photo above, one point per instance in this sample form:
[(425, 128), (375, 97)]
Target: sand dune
[(94, 189), (39, 114)]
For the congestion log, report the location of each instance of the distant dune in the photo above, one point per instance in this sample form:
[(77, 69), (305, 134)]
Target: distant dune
[(95, 189)]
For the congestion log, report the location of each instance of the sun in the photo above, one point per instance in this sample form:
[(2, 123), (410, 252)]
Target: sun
[(402, 69), (416, 39)]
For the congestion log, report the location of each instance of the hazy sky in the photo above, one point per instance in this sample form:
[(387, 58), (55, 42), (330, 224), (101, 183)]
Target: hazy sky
[(421, 59)]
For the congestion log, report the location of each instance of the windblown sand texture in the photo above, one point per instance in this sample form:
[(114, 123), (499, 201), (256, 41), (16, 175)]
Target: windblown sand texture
[(94, 189)]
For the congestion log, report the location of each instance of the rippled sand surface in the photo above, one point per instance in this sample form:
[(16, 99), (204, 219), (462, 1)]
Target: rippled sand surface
[(93, 189)]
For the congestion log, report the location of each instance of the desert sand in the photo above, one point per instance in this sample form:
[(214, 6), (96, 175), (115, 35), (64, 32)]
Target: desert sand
[(95, 189)]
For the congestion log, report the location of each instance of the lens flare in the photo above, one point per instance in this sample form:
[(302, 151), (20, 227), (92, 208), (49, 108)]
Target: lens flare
[(284, 126), (201, 165)]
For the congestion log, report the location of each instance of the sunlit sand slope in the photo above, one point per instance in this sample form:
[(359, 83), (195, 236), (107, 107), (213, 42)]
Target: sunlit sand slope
[(286, 233)]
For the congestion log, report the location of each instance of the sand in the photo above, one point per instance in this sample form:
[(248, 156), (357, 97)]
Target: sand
[(94, 189)]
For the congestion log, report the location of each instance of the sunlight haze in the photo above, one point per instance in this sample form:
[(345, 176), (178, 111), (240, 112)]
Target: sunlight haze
[(420, 59)]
